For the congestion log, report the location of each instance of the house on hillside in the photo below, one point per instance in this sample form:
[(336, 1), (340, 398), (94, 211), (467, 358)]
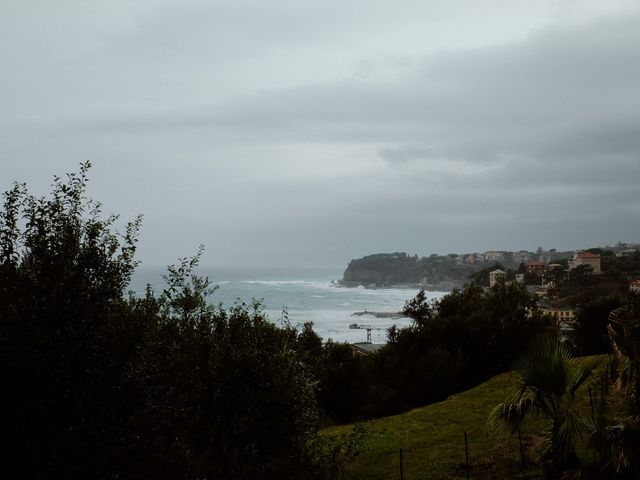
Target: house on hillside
[(565, 318), (521, 256), (561, 314), (470, 258), (490, 256), (629, 252), (585, 258), (497, 275), (540, 290), (536, 267)]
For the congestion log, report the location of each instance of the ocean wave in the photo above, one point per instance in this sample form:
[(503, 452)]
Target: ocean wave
[(287, 283)]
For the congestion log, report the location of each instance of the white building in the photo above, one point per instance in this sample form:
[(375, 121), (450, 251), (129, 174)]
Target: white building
[(586, 258), (496, 275)]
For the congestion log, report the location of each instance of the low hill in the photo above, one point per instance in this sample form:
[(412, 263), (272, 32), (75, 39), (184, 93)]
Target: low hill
[(400, 269), (432, 439)]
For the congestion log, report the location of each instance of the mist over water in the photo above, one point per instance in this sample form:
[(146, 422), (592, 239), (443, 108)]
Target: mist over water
[(307, 295)]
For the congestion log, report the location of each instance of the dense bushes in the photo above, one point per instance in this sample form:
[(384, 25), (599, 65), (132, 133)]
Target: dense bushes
[(103, 385), (462, 339), (98, 385), (454, 343), (590, 335)]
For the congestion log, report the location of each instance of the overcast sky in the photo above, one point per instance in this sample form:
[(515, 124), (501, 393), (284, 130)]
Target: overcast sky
[(297, 133)]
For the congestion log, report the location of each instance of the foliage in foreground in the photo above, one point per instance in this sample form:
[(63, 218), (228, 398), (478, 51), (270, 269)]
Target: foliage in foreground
[(601, 443), (102, 385), (548, 380), (461, 340), (455, 343), (432, 439)]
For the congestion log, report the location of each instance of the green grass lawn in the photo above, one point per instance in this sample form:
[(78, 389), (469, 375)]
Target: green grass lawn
[(432, 439)]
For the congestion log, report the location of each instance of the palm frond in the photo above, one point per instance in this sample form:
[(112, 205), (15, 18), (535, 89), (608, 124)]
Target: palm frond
[(617, 334), (582, 373), (546, 367), (624, 378), (505, 418), (567, 437)]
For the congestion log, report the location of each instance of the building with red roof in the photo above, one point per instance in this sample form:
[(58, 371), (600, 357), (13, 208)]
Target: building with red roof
[(536, 266)]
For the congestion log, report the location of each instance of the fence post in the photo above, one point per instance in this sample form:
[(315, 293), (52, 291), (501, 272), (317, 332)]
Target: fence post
[(333, 466), (466, 454), (521, 449)]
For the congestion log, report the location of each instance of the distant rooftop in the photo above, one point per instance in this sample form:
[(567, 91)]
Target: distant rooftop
[(368, 347), (588, 255)]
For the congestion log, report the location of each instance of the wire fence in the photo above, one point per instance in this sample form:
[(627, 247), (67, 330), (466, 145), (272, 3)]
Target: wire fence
[(509, 460)]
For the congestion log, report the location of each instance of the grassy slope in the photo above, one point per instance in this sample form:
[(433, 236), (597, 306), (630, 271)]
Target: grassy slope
[(432, 439)]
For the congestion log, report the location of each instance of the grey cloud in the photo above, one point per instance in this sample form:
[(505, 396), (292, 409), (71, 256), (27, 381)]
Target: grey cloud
[(405, 154), (554, 93), (507, 145)]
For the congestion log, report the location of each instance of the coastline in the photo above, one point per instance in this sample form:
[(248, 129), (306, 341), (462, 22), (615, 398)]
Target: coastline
[(446, 286)]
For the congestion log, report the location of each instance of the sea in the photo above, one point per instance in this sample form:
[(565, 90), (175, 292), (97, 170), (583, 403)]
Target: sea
[(301, 295)]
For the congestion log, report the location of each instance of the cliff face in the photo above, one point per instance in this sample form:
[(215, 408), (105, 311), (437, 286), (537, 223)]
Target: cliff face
[(399, 269), (384, 269)]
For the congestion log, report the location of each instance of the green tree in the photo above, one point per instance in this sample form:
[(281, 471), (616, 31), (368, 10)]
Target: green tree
[(458, 341), (419, 308), (481, 278), (590, 334), (345, 380), (224, 394), (624, 332), (615, 432), (547, 381), (63, 332), (581, 273), (103, 385)]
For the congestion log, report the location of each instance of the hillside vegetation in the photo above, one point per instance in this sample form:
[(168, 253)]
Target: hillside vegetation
[(107, 384), (432, 439), (388, 269)]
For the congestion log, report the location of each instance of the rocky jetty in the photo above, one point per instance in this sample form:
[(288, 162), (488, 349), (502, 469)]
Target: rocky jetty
[(378, 314)]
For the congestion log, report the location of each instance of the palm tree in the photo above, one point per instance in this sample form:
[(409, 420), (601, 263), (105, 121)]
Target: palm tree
[(624, 333), (547, 380), (622, 440)]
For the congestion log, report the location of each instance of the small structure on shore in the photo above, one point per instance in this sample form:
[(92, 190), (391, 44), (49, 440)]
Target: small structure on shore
[(368, 328)]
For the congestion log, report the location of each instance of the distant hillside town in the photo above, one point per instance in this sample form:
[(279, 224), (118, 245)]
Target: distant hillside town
[(445, 272), (567, 284)]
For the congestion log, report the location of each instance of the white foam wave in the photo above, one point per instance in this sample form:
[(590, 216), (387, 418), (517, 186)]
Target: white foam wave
[(283, 283)]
